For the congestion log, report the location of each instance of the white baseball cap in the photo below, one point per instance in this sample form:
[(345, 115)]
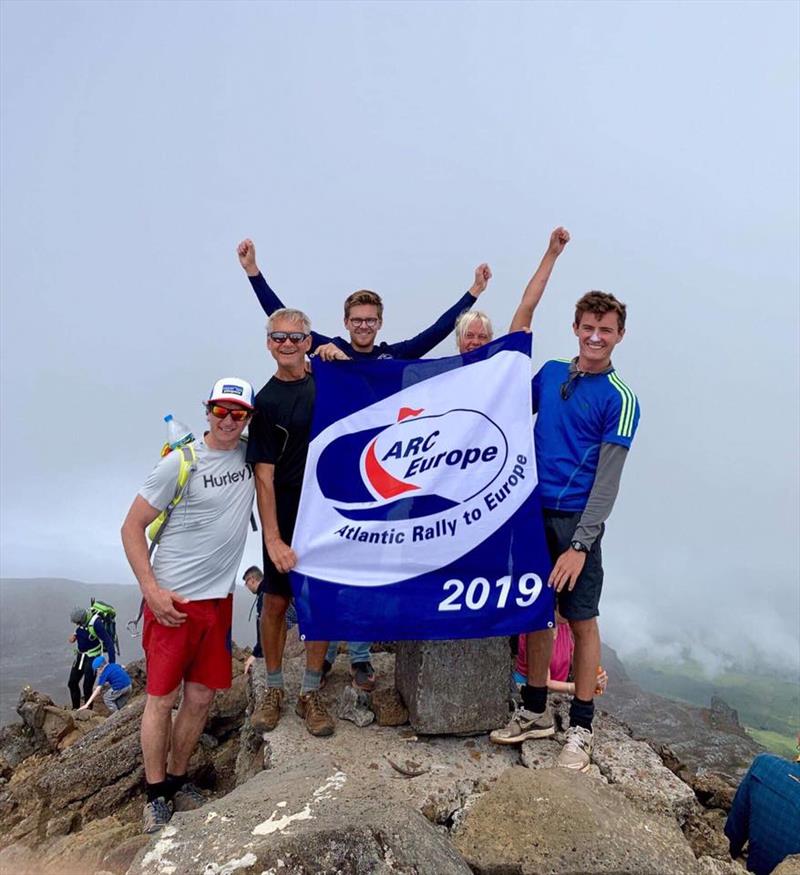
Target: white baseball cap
[(233, 389)]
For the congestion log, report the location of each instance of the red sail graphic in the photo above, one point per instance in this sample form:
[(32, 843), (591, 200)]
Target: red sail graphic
[(382, 481)]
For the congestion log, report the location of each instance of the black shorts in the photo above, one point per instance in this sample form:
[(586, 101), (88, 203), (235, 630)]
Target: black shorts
[(287, 502), (582, 601)]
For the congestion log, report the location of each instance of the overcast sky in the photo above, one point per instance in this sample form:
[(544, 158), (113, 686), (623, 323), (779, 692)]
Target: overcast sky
[(394, 146)]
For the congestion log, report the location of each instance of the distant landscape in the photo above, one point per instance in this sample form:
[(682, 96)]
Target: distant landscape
[(768, 705), (34, 627)]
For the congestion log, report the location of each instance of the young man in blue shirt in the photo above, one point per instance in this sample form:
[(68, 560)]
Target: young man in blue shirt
[(586, 420), (363, 318)]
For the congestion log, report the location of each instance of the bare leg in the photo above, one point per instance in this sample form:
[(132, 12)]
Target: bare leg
[(155, 734), (539, 649), (189, 724), (315, 654), (586, 657), (273, 630)]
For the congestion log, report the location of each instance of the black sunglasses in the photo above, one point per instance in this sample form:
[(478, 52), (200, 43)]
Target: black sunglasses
[(282, 336)]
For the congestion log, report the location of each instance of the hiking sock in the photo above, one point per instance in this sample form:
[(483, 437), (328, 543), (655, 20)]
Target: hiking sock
[(275, 678), (581, 712), (311, 681), (174, 783), (534, 698), (160, 788)]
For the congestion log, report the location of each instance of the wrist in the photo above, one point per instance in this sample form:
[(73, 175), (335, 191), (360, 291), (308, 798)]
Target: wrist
[(252, 271)]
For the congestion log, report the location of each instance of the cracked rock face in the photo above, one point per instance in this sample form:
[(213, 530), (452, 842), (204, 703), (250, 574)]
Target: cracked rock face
[(296, 819), (556, 821)]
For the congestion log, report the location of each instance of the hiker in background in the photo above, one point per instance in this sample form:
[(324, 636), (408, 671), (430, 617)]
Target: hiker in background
[(252, 580), (766, 813), (188, 593), (113, 681), (90, 639)]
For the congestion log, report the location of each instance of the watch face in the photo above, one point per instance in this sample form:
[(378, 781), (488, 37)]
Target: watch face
[(579, 546)]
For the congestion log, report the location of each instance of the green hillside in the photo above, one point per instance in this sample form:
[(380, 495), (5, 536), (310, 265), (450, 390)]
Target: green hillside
[(769, 707)]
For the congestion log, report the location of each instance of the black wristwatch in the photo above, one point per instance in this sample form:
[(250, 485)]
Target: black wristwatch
[(579, 546)]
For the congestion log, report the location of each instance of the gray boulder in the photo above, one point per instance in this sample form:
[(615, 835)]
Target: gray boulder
[(555, 821), (454, 687), (297, 819)]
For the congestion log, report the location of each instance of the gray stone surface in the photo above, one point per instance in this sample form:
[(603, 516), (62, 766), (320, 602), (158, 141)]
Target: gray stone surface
[(308, 816), (454, 687), (554, 821)]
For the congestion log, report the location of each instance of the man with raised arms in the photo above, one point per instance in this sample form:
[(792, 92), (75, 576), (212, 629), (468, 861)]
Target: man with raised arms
[(363, 317), (188, 593), (277, 448), (586, 420)]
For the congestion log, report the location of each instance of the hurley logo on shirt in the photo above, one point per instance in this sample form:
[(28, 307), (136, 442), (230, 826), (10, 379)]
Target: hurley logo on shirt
[(229, 477)]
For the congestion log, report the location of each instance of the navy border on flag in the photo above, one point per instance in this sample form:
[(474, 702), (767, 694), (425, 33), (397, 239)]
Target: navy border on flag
[(419, 517)]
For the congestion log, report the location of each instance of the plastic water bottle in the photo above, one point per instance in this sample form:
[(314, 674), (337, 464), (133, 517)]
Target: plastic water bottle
[(178, 434)]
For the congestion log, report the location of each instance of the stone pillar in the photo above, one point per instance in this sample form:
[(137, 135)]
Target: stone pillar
[(454, 687)]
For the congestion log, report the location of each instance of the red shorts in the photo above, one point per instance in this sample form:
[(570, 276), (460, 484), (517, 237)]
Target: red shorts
[(199, 650)]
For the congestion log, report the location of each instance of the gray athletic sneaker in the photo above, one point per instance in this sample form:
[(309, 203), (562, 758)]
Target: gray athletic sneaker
[(188, 798), (577, 751), (156, 815), (525, 725)]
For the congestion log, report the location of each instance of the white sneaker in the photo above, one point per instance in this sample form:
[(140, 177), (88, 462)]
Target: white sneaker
[(577, 751), (525, 725)]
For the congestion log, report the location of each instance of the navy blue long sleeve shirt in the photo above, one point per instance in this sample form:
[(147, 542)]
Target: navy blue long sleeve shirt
[(414, 348), (766, 813), (84, 642)]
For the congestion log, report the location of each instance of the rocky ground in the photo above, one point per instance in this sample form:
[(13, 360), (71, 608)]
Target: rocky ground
[(374, 798)]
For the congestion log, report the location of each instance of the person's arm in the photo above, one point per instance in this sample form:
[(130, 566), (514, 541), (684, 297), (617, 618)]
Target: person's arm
[(106, 640), (269, 301), (425, 341), (95, 693), (281, 554), (737, 826), (598, 509), (160, 601), (536, 286)]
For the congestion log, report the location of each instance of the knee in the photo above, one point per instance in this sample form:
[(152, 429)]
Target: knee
[(197, 698), (585, 629), (275, 606), (161, 706)]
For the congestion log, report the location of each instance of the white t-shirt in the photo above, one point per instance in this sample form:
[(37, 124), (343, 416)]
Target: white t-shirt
[(202, 545)]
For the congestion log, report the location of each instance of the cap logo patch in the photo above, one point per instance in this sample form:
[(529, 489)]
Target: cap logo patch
[(232, 390)]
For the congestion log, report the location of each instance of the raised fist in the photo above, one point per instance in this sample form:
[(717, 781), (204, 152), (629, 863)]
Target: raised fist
[(246, 251), (558, 240), (483, 274)]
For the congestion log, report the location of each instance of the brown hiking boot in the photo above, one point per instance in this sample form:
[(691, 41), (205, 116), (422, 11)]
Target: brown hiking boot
[(265, 718), (312, 709)]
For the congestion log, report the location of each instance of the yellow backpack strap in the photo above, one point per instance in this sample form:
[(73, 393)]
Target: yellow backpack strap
[(188, 465)]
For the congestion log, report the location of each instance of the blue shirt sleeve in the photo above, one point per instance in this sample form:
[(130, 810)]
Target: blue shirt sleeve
[(425, 341), (102, 633), (737, 826), (621, 415), (270, 302)]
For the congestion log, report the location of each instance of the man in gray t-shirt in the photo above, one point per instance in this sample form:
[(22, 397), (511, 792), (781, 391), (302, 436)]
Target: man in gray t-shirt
[(188, 592)]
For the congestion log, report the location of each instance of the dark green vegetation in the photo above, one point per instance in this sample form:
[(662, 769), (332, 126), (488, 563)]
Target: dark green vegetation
[(768, 706)]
